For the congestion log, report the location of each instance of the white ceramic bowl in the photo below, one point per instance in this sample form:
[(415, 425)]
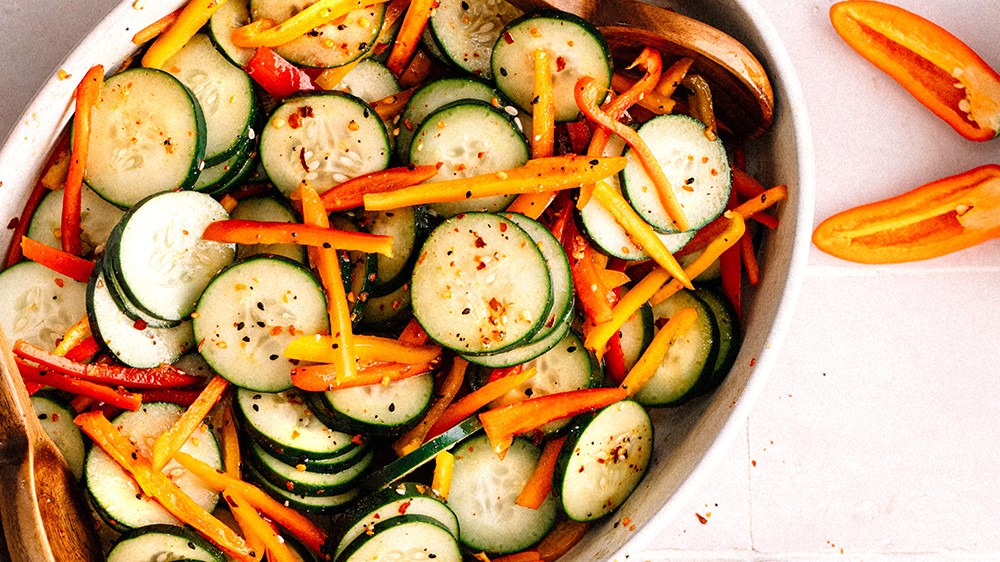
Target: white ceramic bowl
[(690, 439)]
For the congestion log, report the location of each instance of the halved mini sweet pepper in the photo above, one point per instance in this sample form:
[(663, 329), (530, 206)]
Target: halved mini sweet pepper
[(936, 67), (935, 219)]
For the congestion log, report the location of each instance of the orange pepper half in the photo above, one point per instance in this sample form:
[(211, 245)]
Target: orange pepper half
[(944, 216), (936, 67)]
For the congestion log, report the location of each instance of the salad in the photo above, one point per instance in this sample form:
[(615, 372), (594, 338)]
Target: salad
[(391, 280)]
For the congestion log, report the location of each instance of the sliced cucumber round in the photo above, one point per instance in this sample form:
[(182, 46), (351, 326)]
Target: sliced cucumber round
[(97, 219), (466, 31), (333, 44), (147, 136), (38, 305), (523, 353), (727, 320), (378, 409), (696, 167), (407, 537), (267, 208), (559, 273), (370, 80), (432, 96), (226, 19), (577, 48), (285, 425), (636, 334), (56, 418), (316, 484), (480, 284), (603, 460), (163, 542), (408, 227), (248, 315), (312, 505)]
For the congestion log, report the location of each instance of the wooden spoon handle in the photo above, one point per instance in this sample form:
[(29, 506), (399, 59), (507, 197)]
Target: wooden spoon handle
[(14, 438)]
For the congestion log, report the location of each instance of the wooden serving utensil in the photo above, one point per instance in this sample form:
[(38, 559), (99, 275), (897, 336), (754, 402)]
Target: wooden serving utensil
[(45, 517), (741, 90)]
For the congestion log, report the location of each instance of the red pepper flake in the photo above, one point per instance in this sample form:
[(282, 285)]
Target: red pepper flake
[(306, 111), (275, 331), (560, 64), (404, 506), (14, 221), (701, 518), (753, 361), (753, 463), (357, 440), (503, 227), (508, 38), (60, 283), (294, 121), (139, 324), (480, 243)]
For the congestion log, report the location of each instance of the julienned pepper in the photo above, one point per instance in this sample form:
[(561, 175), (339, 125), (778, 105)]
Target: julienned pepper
[(276, 75), (935, 219), (936, 67)]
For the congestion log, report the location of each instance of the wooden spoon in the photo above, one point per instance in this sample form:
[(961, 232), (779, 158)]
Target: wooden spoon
[(45, 517), (741, 90)]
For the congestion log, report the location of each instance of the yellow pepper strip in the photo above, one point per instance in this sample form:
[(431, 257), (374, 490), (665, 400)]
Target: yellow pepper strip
[(639, 231), (153, 30), (324, 376), (543, 133), (392, 105), (231, 457), (263, 33), (322, 349), (171, 440), (444, 468), (73, 336), (408, 36), (409, 441), (650, 361), (700, 103), (158, 486), (192, 18), (657, 101), (328, 266), (539, 175), (473, 401), (331, 77), (935, 219), (298, 525), (257, 531), (727, 239), (588, 92)]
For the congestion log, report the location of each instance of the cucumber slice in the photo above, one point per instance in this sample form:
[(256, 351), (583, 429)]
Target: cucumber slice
[(249, 313), (378, 409), (222, 24), (389, 311), (576, 46), (559, 273), (370, 80), (56, 418), (466, 31), (147, 136), (224, 175), (691, 357), (296, 481), (267, 208), (603, 460), (123, 301), (97, 219), (636, 334), (729, 333), (465, 139), (117, 497), (432, 96), (163, 542), (407, 498), (480, 284), (283, 424), (408, 227), (523, 353), (407, 537), (323, 138), (162, 262), (312, 505), (224, 92), (334, 44), (696, 167), (38, 305), (483, 490)]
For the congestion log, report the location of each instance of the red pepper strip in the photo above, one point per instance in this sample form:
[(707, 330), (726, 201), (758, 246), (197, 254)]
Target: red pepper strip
[(38, 192), (614, 359), (418, 71), (159, 486), (351, 193), (588, 92), (67, 264), (745, 185), (320, 378), (936, 67), (579, 135), (649, 60), (504, 423), (539, 484), (502, 372), (180, 397), (276, 75), (239, 231), (748, 209), (749, 257), (119, 397), (731, 272), (164, 376), (33, 387), (408, 36), (590, 290), (561, 538), (935, 219), (472, 402), (88, 95), (300, 526)]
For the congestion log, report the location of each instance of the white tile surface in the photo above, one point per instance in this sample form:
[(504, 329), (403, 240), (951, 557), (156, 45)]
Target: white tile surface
[(876, 437)]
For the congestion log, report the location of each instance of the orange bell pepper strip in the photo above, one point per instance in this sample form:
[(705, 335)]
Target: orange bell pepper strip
[(351, 193), (504, 423), (749, 209), (321, 349), (937, 68), (159, 486), (650, 361), (324, 377), (192, 17), (88, 95), (240, 231), (539, 484), (171, 440), (301, 527), (724, 242), (748, 255), (118, 397), (445, 395), (935, 219), (264, 32), (561, 538), (588, 93), (587, 283), (391, 106), (543, 133), (258, 531), (472, 402), (232, 457), (408, 36), (62, 262), (539, 175)]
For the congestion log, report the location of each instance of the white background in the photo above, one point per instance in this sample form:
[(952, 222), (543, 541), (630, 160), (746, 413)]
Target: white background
[(876, 437)]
